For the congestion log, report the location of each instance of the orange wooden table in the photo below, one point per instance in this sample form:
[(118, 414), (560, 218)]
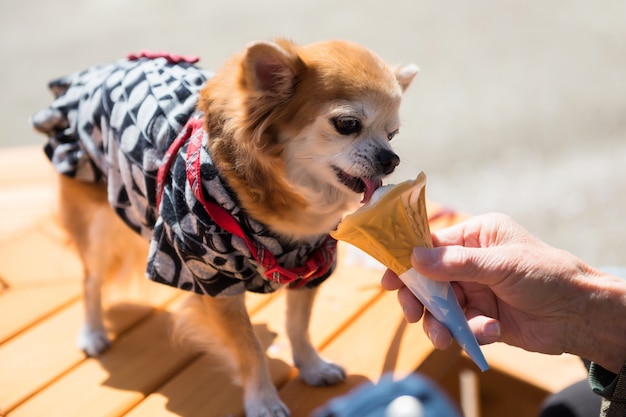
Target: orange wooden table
[(42, 373)]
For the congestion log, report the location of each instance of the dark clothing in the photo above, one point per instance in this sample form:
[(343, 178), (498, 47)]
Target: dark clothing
[(114, 123)]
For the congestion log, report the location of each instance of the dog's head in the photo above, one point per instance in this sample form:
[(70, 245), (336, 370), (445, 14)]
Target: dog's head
[(305, 129)]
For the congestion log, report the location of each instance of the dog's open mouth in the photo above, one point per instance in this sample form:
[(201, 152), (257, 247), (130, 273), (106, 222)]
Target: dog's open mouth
[(359, 185)]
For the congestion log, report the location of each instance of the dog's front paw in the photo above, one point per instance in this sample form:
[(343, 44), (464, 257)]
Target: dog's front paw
[(93, 341), (321, 372), (269, 408)]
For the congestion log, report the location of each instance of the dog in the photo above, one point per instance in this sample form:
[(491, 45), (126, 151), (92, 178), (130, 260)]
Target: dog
[(233, 180)]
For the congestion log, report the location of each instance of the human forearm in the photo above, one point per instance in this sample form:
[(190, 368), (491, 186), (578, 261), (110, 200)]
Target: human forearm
[(602, 335)]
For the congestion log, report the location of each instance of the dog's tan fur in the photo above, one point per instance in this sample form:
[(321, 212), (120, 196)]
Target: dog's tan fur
[(252, 115), (267, 113)]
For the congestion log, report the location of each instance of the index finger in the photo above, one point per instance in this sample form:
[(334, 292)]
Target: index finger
[(478, 232), (390, 281)]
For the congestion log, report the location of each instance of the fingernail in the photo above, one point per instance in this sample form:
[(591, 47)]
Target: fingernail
[(492, 330), (425, 256)]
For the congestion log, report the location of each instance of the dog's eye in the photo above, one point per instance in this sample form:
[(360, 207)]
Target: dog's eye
[(347, 125), (393, 134)]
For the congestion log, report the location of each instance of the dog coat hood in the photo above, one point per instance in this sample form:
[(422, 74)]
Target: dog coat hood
[(114, 123)]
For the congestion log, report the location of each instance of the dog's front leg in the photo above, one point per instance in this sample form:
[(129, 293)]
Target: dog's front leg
[(313, 369), (221, 325)]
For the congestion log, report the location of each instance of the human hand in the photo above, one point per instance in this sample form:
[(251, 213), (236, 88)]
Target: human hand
[(514, 287)]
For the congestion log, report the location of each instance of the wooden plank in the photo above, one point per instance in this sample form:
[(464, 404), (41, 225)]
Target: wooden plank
[(27, 188), (551, 373), (341, 298), (23, 307), (33, 359), (137, 363), (381, 341), (22, 206), (186, 393), (24, 164), (350, 291), (339, 302), (203, 388), (499, 394), (40, 255), (378, 342)]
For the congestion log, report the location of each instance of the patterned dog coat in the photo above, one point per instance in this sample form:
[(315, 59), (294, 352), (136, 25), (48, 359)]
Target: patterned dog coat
[(115, 123)]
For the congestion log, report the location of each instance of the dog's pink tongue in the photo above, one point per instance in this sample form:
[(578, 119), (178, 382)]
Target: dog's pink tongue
[(371, 185)]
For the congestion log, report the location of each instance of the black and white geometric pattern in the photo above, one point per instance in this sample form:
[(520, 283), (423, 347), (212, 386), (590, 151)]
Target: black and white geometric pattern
[(113, 123)]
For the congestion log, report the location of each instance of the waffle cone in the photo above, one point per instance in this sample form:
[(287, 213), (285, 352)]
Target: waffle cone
[(389, 228)]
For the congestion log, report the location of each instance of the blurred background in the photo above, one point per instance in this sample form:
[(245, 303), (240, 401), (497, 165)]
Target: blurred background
[(520, 106)]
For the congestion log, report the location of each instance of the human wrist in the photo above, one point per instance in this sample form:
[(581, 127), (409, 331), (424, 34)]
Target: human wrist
[(601, 336)]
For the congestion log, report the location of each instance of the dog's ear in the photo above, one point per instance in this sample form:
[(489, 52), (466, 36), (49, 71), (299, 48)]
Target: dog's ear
[(405, 75), (272, 67)]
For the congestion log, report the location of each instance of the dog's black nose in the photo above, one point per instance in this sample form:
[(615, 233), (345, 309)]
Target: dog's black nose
[(388, 161)]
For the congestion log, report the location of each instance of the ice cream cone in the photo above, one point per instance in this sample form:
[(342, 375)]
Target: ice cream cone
[(388, 228)]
